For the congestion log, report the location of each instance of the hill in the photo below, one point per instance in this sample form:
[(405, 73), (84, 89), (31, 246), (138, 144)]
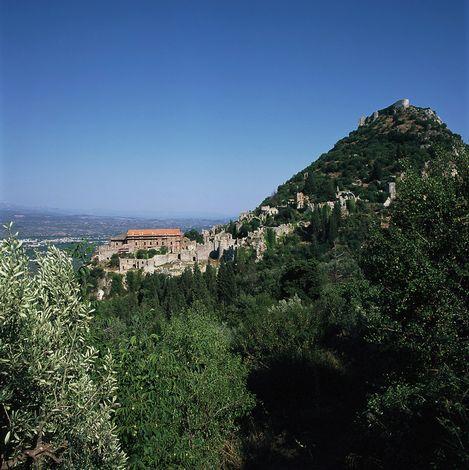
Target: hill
[(337, 341), (370, 157)]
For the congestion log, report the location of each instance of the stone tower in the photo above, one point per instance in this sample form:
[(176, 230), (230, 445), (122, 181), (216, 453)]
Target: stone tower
[(404, 103)]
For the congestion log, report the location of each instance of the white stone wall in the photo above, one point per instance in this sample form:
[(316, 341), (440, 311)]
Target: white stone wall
[(404, 103), (105, 252)]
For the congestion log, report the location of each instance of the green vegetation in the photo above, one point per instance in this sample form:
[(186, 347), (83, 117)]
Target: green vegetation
[(114, 261), (345, 346), (369, 158), (418, 268), (354, 338), (195, 235), (244, 229), (57, 393), (190, 389), (147, 254)]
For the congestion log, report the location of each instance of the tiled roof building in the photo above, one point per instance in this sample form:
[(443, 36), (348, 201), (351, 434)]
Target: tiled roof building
[(136, 239)]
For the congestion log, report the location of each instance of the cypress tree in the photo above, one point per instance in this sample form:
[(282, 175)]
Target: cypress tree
[(226, 283), (333, 224), (210, 278), (199, 289)]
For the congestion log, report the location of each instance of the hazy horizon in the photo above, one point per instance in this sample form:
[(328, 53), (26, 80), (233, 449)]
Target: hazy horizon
[(152, 108), (96, 212)]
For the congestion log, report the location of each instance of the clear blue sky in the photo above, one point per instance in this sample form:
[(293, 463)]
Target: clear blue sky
[(205, 107)]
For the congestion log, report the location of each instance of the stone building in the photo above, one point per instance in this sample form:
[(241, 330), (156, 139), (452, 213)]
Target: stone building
[(398, 105), (171, 238), (268, 210), (344, 196), (392, 194), (301, 200), (136, 239), (182, 252), (247, 216)]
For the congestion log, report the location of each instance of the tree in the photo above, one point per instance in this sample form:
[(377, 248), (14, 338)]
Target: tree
[(195, 235), (199, 288), (134, 279), (310, 186), (288, 330), (174, 297), (270, 238), (328, 189), (186, 284), (96, 274), (210, 277), (351, 205), (301, 278), (376, 171), (285, 215), (191, 389), (316, 227), (419, 322), (56, 400), (333, 223), (117, 287), (226, 283), (243, 230), (114, 261)]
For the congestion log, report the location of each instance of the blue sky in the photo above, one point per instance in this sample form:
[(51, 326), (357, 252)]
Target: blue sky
[(206, 107)]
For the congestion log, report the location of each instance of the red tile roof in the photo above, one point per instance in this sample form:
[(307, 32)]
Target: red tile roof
[(159, 232)]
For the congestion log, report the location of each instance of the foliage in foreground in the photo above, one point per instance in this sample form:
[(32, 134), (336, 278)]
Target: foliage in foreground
[(57, 395), (419, 320), (182, 392), (356, 350)]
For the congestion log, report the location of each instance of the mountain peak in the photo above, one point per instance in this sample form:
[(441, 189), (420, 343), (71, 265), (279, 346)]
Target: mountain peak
[(369, 158), (400, 107)]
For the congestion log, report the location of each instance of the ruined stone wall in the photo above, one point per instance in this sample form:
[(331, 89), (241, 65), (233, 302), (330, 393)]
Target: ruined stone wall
[(105, 252), (282, 230), (203, 252), (148, 265), (404, 103)]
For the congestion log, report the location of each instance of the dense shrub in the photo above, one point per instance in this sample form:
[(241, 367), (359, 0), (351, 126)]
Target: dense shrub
[(419, 322), (57, 395), (182, 392), (289, 329)]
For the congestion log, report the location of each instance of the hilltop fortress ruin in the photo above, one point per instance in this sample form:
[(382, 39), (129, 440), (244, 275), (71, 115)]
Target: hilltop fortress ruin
[(393, 109)]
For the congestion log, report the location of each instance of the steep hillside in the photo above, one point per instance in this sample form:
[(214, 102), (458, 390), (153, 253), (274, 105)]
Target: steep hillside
[(369, 158)]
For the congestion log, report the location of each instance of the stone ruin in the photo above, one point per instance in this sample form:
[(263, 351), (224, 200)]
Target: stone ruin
[(404, 103), (392, 194), (217, 243), (399, 104), (301, 200)]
